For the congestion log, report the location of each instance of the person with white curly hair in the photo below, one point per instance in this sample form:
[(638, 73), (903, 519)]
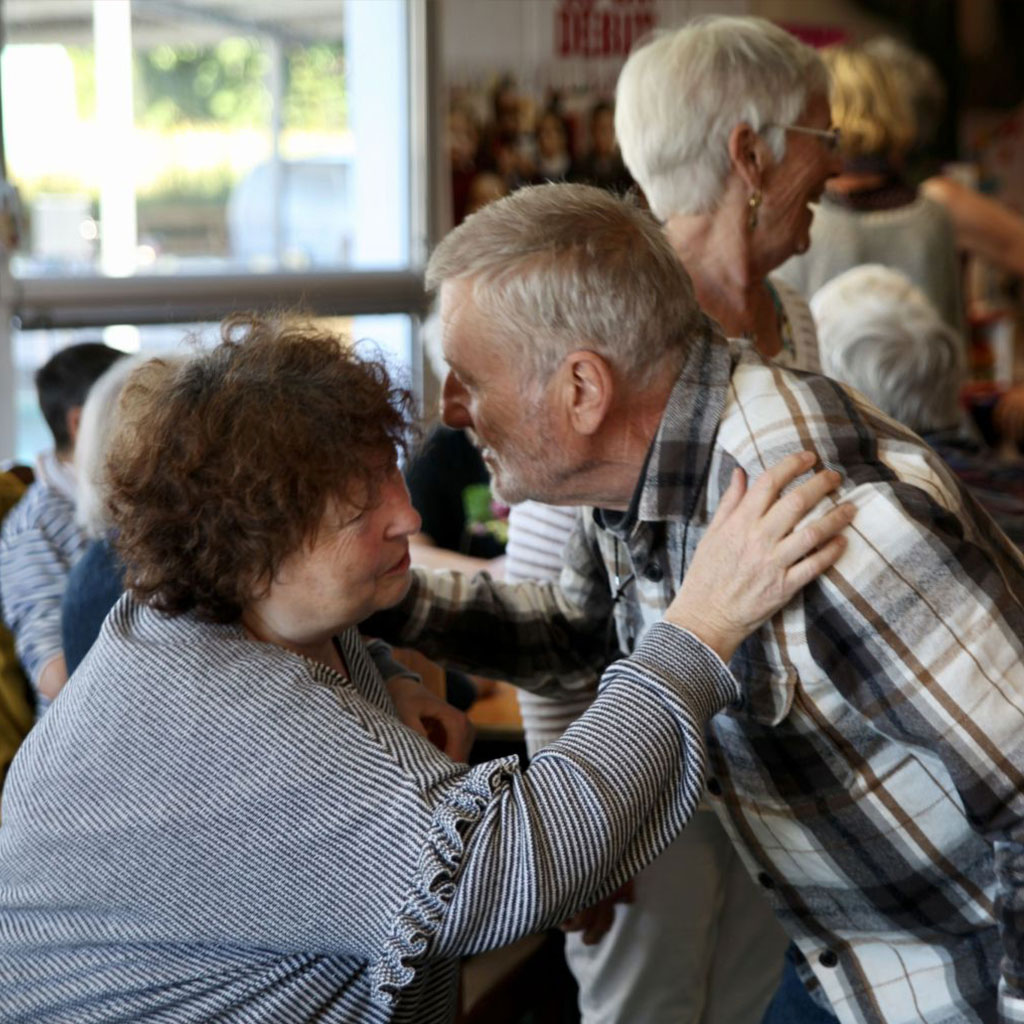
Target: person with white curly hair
[(880, 334)]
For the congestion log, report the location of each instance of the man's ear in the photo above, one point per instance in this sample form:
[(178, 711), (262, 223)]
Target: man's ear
[(588, 388), (73, 420), (747, 153)]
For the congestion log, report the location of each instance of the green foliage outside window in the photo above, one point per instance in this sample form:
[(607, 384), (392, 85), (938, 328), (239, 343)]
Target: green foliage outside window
[(226, 84)]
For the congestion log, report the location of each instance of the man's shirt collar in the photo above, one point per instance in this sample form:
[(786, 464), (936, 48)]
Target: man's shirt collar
[(673, 474)]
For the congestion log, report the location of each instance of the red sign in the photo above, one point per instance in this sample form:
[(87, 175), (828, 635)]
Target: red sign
[(601, 28)]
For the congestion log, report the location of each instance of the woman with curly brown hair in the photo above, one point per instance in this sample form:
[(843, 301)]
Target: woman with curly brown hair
[(222, 818)]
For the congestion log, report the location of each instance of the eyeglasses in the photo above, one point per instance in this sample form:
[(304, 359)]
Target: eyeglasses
[(831, 136)]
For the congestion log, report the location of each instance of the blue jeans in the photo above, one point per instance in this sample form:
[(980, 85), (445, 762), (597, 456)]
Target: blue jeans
[(792, 1003)]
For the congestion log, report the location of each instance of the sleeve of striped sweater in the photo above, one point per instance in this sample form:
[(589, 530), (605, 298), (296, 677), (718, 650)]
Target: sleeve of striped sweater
[(514, 851)]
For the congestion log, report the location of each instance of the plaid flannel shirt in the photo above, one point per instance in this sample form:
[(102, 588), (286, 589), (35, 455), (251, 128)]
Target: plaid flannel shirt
[(872, 775)]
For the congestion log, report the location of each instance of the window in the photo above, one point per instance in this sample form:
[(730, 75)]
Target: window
[(391, 333), (178, 160)]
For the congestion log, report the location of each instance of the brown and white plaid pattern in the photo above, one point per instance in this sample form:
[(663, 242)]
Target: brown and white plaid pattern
[(873, 773)]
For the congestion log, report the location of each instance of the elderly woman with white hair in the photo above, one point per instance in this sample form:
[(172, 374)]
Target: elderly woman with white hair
[(94, 583), (725, 124), (881, 335)]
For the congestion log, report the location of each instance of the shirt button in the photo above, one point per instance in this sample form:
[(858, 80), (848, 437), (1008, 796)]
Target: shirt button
[(766, 880), (653, 572), (828, 958), (714, 787)]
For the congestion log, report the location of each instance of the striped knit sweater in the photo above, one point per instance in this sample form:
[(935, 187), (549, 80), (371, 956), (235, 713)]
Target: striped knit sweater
[(206, 828), (39, 544)]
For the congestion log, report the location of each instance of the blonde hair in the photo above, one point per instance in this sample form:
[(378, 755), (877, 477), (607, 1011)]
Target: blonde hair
[(874, 116), (918, 79)]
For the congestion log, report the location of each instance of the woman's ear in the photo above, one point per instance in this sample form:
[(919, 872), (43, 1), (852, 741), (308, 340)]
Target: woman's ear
[(588, 390), (747, 153)]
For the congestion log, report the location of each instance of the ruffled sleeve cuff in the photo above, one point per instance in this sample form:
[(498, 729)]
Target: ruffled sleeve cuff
[(421, 915)]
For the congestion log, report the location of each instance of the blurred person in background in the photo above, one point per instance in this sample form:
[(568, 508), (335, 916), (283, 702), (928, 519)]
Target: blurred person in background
[(96, 580), (462, 137), (871, 213), (879, 333), (41, 540), (984, 227), (601, 164), (989, 233), (552, 160)]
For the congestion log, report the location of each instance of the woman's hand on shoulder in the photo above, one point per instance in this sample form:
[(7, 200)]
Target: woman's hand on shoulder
[(753, 560)]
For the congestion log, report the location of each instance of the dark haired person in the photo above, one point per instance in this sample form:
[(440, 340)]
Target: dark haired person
[(223, 819), (602, 164), (41, 540)]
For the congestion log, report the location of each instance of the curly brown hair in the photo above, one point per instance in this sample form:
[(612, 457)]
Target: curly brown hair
[(222, 466)]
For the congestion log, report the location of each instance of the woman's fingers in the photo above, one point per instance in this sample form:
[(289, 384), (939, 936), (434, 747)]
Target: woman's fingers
[(732, 497), (792, 547), (784, 515), (801, 573), (764, 491)]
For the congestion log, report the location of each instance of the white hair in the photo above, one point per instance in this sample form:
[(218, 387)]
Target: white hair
[(880, 334), (95, 430), (559, 267), (680, 95)]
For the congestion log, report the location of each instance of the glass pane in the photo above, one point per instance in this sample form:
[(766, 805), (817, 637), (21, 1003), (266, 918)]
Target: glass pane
[(392, 334), (207, 134)]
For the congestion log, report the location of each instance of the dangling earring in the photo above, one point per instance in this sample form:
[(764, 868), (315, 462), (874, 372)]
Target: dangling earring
[(754, 208)]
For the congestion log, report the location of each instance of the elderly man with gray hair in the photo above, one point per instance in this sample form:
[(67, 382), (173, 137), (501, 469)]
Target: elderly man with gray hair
[(872, 774), (725, 125), (880, 334)]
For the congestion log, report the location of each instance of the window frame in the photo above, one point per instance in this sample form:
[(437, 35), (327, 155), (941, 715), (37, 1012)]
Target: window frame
[(34, 302)]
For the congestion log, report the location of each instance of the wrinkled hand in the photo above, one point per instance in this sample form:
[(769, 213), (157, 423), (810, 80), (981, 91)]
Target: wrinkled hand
[(446, 727), (595, 920), (751, 562)]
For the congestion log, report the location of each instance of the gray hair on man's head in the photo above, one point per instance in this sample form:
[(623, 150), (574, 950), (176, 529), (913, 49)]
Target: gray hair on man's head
[(95, 429), (680, 95), (557, 268), (880, 334)]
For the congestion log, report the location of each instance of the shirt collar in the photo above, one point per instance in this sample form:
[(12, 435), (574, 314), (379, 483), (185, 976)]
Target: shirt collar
[(676, 465)]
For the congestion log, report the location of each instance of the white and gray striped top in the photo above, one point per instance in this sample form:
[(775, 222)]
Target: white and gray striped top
[(39, 544), (208, 828)]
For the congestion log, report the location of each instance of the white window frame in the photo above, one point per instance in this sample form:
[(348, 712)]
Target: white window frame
[(28, 303)]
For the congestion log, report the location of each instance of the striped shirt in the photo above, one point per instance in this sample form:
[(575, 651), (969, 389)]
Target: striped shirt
[(537, 536), (39, 544), (207, 828), (873, 777)]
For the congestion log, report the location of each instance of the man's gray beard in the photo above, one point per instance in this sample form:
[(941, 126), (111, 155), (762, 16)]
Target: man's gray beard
[(557, 489)]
